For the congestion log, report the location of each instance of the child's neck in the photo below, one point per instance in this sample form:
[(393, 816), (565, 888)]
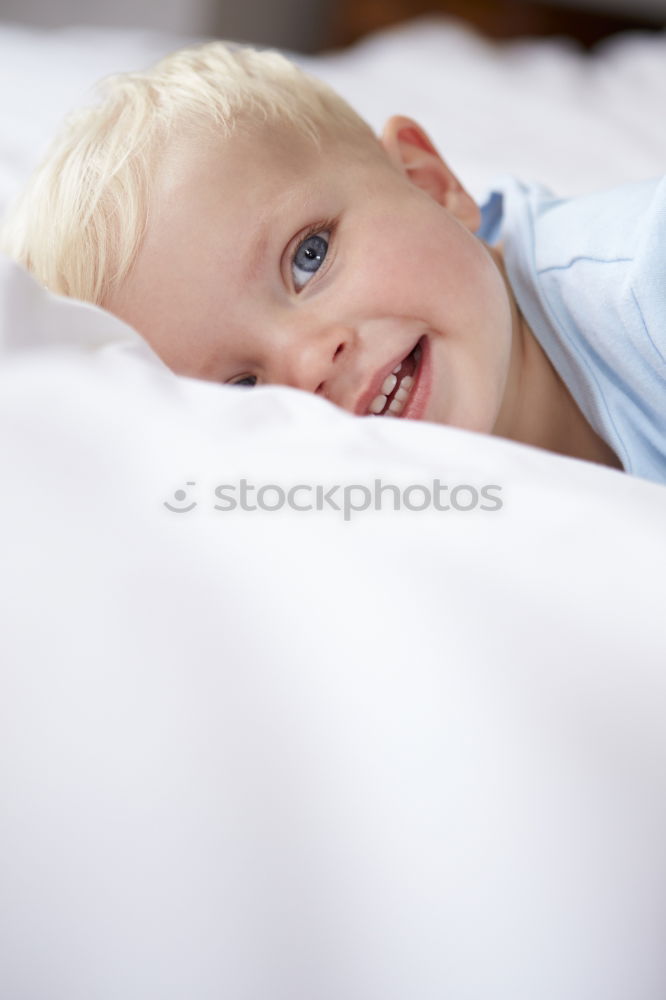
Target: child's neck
[(538, 408)]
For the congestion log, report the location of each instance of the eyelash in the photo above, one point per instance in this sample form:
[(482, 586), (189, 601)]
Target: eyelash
[(326, 225)]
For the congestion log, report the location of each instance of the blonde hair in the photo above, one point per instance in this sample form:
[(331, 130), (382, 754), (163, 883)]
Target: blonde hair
[(79, 223)]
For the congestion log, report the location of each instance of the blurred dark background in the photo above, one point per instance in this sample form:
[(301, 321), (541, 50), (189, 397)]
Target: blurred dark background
[(313, 25), (588, 21)]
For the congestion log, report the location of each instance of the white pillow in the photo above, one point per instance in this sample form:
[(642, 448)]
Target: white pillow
[(251, 754)]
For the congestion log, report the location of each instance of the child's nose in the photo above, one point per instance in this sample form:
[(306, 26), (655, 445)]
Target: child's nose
[(310, 358)]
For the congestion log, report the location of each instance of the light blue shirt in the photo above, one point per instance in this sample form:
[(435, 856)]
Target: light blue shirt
[(589, 276)]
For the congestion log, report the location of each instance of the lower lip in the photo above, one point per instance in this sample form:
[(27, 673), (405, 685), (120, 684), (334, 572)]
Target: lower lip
[(420, 394)]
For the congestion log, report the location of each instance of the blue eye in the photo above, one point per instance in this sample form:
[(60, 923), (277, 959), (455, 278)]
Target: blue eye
[(247, 381), (309, 257)]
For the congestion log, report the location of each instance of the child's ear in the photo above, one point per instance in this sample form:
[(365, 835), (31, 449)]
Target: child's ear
[(410, 149)]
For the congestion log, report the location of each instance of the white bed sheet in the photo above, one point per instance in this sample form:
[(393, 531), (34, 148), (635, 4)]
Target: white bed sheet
[(285, 754), (414, 753)]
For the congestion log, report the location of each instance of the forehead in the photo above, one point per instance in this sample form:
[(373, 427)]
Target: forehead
[(249, 169), (195, 162)]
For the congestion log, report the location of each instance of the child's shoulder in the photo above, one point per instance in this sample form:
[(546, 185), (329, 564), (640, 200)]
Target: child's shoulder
[(606, 226)]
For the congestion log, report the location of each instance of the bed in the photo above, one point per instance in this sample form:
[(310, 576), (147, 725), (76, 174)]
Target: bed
[(353, 751)]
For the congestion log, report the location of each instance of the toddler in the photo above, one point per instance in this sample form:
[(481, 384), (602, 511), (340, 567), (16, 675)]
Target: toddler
[(243, 218)]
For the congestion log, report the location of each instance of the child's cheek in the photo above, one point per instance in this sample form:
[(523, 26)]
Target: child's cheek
[(388, 272)]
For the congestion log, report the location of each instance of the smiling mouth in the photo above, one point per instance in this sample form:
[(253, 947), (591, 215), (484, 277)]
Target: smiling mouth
[(397, 387)]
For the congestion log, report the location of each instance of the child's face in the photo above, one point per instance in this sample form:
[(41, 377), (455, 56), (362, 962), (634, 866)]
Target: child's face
[(266, 262)]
